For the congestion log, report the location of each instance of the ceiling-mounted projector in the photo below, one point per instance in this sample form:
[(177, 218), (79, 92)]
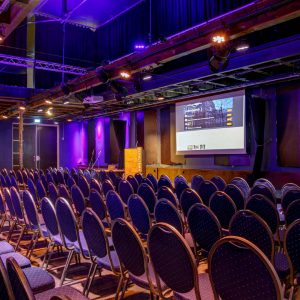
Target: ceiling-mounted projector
[(93, 99)]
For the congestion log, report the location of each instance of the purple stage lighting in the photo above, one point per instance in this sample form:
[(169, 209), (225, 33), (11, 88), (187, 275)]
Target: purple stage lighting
[(139, 46)]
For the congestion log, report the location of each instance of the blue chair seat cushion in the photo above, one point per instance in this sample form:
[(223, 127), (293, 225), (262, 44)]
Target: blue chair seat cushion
[(84, 246), (39, 279), (61, 291), (58, 241), (105, 263), (142, 281), (6, 247), (22, 261), (205, 289)]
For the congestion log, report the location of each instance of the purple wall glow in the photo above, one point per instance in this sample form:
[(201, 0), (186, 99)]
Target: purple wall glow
[(101, 139), (73, 144), (125, 116)]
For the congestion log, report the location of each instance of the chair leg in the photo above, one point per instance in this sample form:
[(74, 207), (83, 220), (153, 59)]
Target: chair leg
[(20, 237), (2, 222), (33, 245), (11, 230), (124, 288), (47, 253), (63, 276), (119, 287), (88, 277), (91, 279)]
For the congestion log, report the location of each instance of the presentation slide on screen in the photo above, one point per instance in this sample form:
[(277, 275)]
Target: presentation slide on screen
[(212, 125)]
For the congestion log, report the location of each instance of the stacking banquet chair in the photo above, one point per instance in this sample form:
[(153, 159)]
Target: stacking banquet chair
[(95, 185), (87, 175), (292, 212), (72, 236), (8, 181), (64, 192), (41, 191), (289, 186), (125, 190), (53, 192), (204, 226), (51, 223), (135, 264), (265, 182), (2, 181), (240, 270), (266, 209), (14, 182), (25, 177), (38, 230), (20, 178), (23, 291), (165, 193), (242, 184), (236, 195), (49, 178), (166, 212), (261, 189), (99, 248), (134, 183), (153, 180), (148, 195), (78, 200), (70, 182), (250, 226), (289, 196), (164, 180), (196, 181), (44, 181), (179, 178), (205, 191), (115, 206), (98, 205), (84, 186), (187, 199), (219, 182), (2, 211), (32, 190), (60, 177), (103, 176), (292, 249), (175, 264), (147, 181), (180, 187), (107, 186), (113, 177), (139, 177), (139, 215), (223, 207)]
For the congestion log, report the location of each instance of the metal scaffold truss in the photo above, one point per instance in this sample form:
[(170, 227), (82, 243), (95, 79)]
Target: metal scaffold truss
[(40, 64)]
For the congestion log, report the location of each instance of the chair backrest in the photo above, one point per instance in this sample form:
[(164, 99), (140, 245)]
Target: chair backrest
[(25, 176), (49, 216), (180, 187), (166, 212), (129, 248), (66, 220), (97, 204), (3, 181), (148, 195), (36, 176), (139, 214), (63, 192), (223, 207), (8, 180), (134, 183), (53, 192), (9, 202), (103, 176), (31, 211), (125, 190), (166, 193), (87, 176), (113, 177), (239, 270), (115, 205), (250, 226), (292, 212), (60, 177), (205, 191), (14, 182), (147, 181), (164, 180), (196, 181), (266, 209), (2, 204), (107, 186), (179, 178), (20, 177), (292, 248), (138, 177), (219, 182), (49, 177), (40, 189), (173, 259), (95, 235), (95, 185), (289, 186), (236, 195), (16, 200), (84, 186), (19, 283), (290, 196), (44, 181), (32, 189), (265, 182), (54, 176), (204, 226), (70, 182), (242, 184), (261, 189), (153, 180), (187, 199), (6, 291), (78, 199)]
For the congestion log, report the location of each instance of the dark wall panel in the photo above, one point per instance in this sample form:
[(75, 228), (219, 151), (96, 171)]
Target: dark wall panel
[(6, 144), (165, 135)]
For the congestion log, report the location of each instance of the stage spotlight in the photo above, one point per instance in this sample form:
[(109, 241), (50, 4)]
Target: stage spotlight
[(218, 62), (40, 110), (219, 39), (139, 46), (242, 46), (125, 74), (49, 112), (22, 108), (147, 77), (48, 101), (5, 117), (66, 102), (159, 96)]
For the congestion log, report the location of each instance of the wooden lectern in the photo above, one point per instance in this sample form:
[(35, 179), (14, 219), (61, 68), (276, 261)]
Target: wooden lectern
[(134, 161)]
